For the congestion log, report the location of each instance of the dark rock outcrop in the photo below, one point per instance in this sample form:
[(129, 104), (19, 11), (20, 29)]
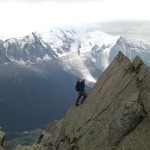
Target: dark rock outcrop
[(115, 114), (2, 140), (46, 139)]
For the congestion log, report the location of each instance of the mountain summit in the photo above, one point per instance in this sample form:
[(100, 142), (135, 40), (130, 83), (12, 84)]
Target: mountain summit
[(115, 114)]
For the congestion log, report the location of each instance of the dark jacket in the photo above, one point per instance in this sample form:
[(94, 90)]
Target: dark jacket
[(82, 86), (77, 87)]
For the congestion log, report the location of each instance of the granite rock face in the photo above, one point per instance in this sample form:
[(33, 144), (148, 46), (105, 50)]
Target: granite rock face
[(115, 115)]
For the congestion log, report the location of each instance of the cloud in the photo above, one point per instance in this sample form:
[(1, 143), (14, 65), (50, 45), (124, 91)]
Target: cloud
[(126, 26), (129, 28), (20, 17)]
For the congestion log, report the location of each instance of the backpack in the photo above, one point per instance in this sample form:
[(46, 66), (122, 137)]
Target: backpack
[(77, 87)]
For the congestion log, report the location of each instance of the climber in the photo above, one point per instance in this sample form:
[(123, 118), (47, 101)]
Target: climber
[(77, 85), (81, 91)]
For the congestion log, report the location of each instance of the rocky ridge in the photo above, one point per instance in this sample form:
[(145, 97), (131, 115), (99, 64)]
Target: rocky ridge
[(115, 115)]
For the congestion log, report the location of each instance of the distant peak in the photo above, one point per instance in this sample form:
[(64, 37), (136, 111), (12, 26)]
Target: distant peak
[(11, 40), (122, 40), (34, 35)]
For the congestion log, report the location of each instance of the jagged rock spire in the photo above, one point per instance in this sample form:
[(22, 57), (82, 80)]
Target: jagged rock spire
[(115, 114)]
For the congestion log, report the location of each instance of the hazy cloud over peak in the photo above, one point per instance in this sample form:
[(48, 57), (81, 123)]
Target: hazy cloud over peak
[(23, 16), (134, 29)]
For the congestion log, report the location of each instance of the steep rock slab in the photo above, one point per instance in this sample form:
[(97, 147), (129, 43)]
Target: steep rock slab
[(115, 110), (139, 138)]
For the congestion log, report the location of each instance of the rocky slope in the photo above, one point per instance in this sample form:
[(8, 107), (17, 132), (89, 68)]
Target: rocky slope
[(115, 114)]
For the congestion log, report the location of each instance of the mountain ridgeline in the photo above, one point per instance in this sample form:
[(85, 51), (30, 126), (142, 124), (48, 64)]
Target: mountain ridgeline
[(114, 116), (38, 72), (116, 113)]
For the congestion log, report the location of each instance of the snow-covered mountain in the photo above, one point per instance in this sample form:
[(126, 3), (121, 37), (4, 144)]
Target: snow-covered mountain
[(81, 51), (84, 53)]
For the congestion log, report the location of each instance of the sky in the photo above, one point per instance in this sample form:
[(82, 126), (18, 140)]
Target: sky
[(21, 17)]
